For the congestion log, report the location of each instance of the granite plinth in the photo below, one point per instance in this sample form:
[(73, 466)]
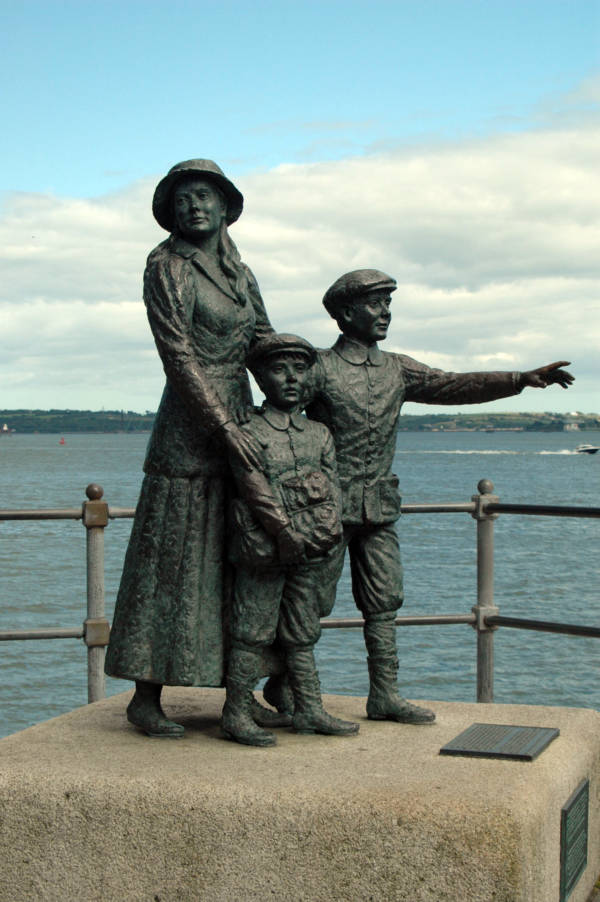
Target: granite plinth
[(94, 810)]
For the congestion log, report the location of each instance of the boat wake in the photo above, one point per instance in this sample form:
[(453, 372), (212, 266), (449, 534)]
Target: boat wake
[(563, 451), (455, 451), (569, 451)]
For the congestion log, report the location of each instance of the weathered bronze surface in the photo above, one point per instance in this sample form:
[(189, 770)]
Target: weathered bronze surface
[(360, 390), (205, 312), (174, 616), (492, 740)]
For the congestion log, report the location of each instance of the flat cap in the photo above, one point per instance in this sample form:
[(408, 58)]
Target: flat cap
[(162, 207), (280, 343), (352, 285)]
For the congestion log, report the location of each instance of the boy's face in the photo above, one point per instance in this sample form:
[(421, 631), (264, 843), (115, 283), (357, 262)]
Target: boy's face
[(284, 378), (368, 318)]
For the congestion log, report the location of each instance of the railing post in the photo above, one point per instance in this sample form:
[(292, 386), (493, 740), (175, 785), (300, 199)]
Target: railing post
[(485, 590), (96, 627)]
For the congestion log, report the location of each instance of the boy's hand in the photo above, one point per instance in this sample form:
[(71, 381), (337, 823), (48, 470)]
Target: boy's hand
[(290, 546), (548, 375)]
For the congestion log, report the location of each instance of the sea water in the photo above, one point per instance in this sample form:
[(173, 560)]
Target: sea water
[(545, 568)]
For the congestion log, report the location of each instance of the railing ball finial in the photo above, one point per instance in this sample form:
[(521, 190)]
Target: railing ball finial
[(485, 487), (94, 491)]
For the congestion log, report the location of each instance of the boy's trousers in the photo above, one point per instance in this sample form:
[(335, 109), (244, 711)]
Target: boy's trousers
[(278, 603)]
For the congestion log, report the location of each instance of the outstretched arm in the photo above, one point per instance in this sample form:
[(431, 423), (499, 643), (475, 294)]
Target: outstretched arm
[(431, 386), (548, 375), (427, 385)]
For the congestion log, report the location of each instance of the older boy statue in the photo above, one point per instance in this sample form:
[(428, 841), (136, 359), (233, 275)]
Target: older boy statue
[(284, 525), (360, 390)]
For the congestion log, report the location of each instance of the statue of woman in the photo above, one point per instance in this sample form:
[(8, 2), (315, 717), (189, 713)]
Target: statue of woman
[(205, 311)]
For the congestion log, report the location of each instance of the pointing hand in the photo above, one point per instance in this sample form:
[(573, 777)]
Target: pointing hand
[(548, 375)]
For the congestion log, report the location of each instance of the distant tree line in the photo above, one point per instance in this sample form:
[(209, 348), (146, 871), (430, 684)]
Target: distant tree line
[(527, 422), (77, 420), (61, 421)]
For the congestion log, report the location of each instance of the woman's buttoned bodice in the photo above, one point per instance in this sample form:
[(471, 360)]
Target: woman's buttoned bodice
[(202, 334)]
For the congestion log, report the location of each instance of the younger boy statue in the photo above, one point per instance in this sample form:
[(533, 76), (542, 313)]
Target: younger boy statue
[(284, 525)]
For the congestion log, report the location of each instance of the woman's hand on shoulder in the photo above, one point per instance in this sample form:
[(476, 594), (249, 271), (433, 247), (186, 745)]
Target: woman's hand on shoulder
[(241, 444), (243, 413)]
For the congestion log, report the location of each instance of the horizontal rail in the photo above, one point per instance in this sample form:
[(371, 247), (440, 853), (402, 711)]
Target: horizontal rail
[(542, 510), (458, 507), (544, 626), (332, 623), (70, 513), (5, 635), (468, 507), (73, 513)]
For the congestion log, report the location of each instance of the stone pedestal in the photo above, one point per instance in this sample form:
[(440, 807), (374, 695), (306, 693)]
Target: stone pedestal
[(90, 809)]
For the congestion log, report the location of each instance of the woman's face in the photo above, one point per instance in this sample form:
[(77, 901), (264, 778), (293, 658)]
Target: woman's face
[(199, 209)]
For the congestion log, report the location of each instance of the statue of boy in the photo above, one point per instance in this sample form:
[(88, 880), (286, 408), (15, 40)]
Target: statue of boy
[(359, 393), (284, 525)]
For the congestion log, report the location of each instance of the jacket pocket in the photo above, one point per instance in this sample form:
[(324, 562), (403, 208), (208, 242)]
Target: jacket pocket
[(389, 498), (352, 500)]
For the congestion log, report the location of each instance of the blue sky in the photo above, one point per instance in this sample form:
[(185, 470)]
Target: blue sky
[(104, 93), (454, 144)]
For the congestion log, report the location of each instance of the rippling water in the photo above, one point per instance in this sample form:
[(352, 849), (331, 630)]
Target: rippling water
[(546, 568)]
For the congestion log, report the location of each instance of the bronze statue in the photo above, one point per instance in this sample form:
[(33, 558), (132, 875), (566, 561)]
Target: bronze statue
[(284, 525), (205, 311), (359, 393), (173, 605)]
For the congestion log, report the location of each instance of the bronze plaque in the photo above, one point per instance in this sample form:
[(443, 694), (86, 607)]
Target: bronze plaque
[(491, 740), (574, 839)]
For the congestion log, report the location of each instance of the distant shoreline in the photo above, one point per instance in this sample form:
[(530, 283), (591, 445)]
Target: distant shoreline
[(15, 432), (71, 422)]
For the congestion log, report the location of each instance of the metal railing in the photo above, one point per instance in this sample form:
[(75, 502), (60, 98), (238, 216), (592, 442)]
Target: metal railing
[(484, 616), (94, 514)]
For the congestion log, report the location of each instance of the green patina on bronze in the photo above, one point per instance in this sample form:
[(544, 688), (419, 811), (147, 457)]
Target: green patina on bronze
[(205, 312), (286, 523), (174, 618), (359, 394)]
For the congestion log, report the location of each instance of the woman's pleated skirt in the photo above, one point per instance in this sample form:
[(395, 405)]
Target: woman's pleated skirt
[(170, 621)]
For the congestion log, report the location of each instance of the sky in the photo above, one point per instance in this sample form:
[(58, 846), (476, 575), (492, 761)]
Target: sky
[(454, 145)]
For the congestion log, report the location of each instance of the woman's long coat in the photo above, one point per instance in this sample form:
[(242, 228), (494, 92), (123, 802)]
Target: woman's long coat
[(169, 618)]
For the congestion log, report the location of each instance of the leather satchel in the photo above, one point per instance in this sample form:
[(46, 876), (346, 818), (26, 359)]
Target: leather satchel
[(312, 506)]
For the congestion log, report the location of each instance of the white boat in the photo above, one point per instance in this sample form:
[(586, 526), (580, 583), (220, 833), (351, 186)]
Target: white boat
[(587, 449)]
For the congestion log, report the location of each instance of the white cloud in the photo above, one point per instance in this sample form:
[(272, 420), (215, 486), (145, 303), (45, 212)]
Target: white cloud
[(494, 244)]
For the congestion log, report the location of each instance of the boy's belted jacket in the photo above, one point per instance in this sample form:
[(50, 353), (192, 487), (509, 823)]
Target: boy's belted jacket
[(360, 391)]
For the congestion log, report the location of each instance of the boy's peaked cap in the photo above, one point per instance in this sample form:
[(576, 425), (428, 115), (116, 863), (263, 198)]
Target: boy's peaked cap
[(280, 343), (352, 285)]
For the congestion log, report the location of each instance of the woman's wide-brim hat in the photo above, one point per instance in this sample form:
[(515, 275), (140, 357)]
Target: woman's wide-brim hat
[(161, 203)]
